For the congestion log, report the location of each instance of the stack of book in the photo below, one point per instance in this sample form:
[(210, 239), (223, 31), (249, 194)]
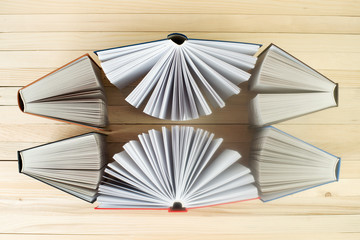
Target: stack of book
[(180, 168)]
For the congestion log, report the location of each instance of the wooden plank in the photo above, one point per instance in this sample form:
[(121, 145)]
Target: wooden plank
[(52, 59), (23, 76), (289, 7), (179, 23), (90, 41), (9, 149), (254, 236), (8, 96)]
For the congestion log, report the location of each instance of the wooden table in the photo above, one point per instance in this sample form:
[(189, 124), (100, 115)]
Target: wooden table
[(39, 36)]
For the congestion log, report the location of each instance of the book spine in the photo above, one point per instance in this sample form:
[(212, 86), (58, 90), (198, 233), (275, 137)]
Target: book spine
[(20, 101), (337, 169), (20, 163), (336, 94), (177, 207)]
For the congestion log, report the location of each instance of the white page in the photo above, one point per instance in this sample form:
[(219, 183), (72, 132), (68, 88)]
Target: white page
[(201, 104), (235, 172), (121, 202), (228, 71), (166, 101), (219, 164), (82, 176), (125, 61), (129, 165), (149, 150), (239, 60), (168, 155), (60, 154), (206, 155), (270, 108), (222, 86), (63, 180), (197, 144), (158, 144), (137, 96), (219, 190), (136, 68), (212, 96), (236, 194), (153, 105), (116, 170), (85, 111), (133, 180), (175, 136), (75, 77), (127, 193), (188, 147), (108, 54), (192, 106), (138, 155), (181, 98), (245, 48), (87, 196)]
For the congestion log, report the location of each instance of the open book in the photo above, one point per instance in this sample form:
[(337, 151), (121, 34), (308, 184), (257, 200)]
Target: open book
[(287, 88), (283, 164), (72, 93), (180, 76), (73, 165), (175, 169)]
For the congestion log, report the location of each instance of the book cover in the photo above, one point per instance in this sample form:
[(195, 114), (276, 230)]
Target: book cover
[(337, 169), (21, 103)]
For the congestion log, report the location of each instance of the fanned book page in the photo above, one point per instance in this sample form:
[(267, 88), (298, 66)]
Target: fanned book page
[(283, 164), (177, 169), (181, 78), (73, 165), (287, 88), (73, 93)]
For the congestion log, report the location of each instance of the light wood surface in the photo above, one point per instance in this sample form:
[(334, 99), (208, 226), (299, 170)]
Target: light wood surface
[(37, 36)]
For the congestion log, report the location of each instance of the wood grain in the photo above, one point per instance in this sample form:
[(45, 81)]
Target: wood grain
[(273, 7), (90, 41), (179, 23), (38, 36), (54, 59)]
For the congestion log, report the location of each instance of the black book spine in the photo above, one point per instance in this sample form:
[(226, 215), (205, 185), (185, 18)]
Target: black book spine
[(20, 163), (336, 94)]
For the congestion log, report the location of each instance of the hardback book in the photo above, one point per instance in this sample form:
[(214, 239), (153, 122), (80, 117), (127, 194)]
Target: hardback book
[(72, 93), (175, 169), (181, 78), (287, 88), (283, 164), (74, 165)]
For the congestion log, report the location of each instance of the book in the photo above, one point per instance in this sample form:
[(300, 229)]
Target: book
[(287, 88), (72, 93), (180, 77), (175, 169), (74, 165), (283, 164)]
